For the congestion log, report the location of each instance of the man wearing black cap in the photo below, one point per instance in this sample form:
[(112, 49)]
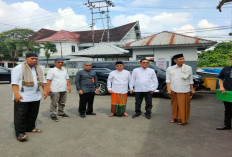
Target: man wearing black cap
[(26, 80), (58, 84), (87, 85), (117, 84), (179, 86)]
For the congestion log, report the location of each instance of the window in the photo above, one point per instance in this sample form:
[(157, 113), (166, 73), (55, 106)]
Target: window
[(73, 48), (136, 27)]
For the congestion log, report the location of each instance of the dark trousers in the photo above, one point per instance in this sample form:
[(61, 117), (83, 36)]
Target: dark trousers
[(25, 115), (228, 113), (139, 99), (84, 99)]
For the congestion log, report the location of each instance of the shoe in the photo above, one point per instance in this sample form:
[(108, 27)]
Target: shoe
[(148, 116), (63, 115), (136, 115), (223, 128), (54, 118), (92, 113), (82, 115), (22, 137)]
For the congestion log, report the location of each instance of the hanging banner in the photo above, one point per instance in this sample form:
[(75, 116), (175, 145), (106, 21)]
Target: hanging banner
[(161, 62)]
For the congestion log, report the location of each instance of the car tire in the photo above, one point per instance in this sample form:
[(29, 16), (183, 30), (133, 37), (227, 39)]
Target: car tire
[(102, 88), (164, 92)]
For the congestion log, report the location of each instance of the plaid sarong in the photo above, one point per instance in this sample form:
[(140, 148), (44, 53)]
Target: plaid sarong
[(118, 103)]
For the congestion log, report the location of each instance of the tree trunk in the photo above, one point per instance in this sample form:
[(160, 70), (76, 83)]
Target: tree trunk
[(47, 63)]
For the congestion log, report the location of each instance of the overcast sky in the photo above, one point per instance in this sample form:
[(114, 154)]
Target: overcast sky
[(190, 17)]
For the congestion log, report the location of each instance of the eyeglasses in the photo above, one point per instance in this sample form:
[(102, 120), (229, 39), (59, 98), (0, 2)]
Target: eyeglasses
[(145, 62), (60, 62)]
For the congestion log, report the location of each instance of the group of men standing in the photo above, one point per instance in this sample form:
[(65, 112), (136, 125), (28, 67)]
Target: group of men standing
[(28, 77)]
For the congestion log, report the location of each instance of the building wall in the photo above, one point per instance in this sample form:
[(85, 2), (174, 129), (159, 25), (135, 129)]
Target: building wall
[(130, 36), (190, 54), (65, 46)]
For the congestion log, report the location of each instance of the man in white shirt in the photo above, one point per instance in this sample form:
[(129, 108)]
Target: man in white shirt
[(143, 83), (26, 80), (179, 86), (58, 84), (117, 85)]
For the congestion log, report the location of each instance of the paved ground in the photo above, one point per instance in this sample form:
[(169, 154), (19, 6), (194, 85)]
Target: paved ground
[(101, 136)]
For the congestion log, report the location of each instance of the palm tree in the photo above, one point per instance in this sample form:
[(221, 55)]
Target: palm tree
[(14, 47), (48, 47), (31, 46)]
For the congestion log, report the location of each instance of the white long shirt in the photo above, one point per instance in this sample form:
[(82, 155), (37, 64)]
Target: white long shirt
[(30, 93), (58, 79), (143, 80), (118, 81), (178, 84)]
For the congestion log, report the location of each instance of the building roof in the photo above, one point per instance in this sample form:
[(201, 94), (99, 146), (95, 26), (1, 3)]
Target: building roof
[(221, 3), (62, 36), (116, 34), (166, 38), (102, 49), (42, 33)]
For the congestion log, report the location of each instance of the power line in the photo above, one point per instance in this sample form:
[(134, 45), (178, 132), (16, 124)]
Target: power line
[(99, 4), (164, 7)]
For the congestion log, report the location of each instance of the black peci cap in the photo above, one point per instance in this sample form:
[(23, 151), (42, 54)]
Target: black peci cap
[(178, 56)]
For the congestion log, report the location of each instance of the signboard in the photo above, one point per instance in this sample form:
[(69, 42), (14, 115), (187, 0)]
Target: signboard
[(161, 62)]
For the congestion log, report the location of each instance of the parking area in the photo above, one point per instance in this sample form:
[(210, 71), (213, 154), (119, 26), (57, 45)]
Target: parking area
[(102, 136)]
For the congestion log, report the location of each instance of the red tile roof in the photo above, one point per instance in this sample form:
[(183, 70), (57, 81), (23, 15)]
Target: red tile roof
[(62, 36), (116, 34)]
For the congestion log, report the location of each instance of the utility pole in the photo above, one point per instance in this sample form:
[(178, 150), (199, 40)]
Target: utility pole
[(99, 5)]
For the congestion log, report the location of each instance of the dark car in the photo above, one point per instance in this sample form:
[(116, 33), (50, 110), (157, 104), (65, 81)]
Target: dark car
[(103, 68), (5, 74)]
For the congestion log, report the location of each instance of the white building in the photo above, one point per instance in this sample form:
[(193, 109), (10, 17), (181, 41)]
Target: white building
[(68, 43), (164, 45)]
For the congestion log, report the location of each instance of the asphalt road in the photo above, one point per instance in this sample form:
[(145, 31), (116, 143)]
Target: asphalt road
[(102, 136)]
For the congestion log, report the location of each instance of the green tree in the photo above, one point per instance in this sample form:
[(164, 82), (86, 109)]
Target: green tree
[(15, 47), (3, 50), (219, 57), (48, 47), (14, 42), (18, 34), (31, 46)]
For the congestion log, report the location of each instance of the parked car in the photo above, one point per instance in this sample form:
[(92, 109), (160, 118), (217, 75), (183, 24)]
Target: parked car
[(103, 68), (5, 74), (102, 75)]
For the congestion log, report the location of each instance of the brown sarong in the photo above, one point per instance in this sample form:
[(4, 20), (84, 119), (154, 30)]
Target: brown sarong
[(180, 103)]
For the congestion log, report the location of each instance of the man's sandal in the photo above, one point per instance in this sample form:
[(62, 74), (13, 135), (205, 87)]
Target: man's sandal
[(182, 123), (125, 114), (36, 130), (22, 137), (172, 120), (112, 115)]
